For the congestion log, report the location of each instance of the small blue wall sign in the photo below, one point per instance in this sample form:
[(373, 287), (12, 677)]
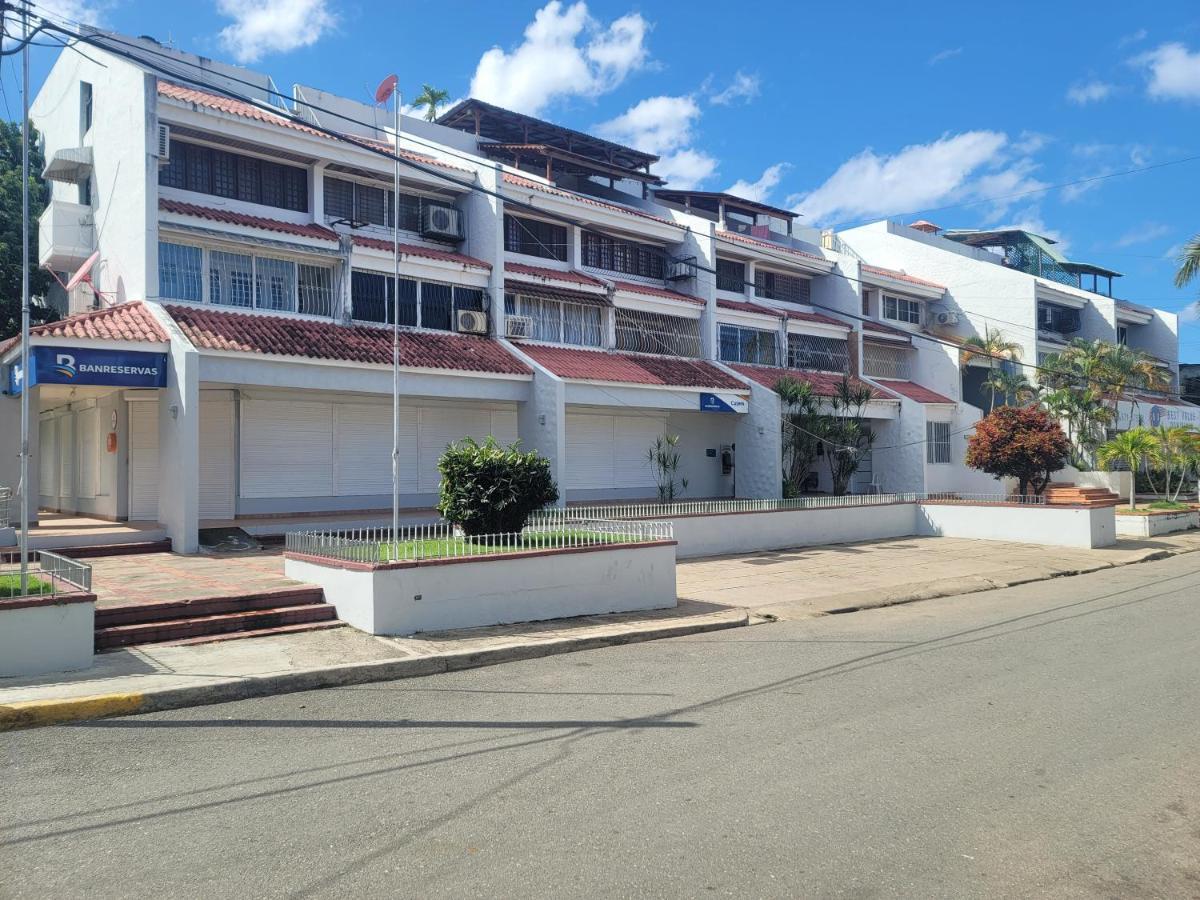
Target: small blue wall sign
[(723, 403)]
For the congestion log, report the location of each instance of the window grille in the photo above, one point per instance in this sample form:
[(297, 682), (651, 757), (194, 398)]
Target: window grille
[(206, 170), (230, 279), (937, 442), (776, 286), (534, 237), (315, 290), (901, 309), (731, 276), (824, 354), (370, 204), (428, 304), (275, 284), (887, 361), (749, 345), (650, 332), (559, 321), (179, 268), (627, 257)]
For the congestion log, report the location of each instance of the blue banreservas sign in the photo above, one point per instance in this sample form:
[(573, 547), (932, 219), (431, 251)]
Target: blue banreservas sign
[(723, 403), (79, 365)]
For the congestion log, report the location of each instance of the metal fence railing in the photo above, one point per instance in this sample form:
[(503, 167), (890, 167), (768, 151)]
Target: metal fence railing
[(6, 496), (49, 574), (445, 541)]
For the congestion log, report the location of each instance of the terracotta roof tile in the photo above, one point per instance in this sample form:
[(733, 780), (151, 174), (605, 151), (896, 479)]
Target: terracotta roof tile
[(901, 276), (275, 335), (598, 365), (229, 217), (518, 181), (880, 328), (568, 275), (651, 291), (913, 391), (418, 250), (824, 383), (768, 245), (130, 321), (799, 316), (743, 306)]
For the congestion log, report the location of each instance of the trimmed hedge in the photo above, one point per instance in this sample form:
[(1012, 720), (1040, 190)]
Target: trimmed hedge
[(491, 489)]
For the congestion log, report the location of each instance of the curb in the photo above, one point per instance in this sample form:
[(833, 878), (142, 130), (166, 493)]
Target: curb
[(36, 713)]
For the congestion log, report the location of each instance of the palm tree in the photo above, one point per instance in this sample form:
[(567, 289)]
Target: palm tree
[(1175, 448), (1131, 447), (1012, 386), (431, 98), (994, 347), (801, 430), (1189, 263)]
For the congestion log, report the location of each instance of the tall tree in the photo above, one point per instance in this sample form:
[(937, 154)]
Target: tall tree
[(995, 348), (10, 229), (802, 425), (1132, 448), (1189, 263), (1020, 442), (431, 98)]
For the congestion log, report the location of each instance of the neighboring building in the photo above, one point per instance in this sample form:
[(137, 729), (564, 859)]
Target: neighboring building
[(229, 354), (1189, 380)]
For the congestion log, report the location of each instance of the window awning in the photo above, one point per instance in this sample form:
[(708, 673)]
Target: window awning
[(70, 165), (550, 292)]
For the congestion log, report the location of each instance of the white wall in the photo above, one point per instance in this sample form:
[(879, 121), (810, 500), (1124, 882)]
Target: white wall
[(493, 591), (47, 637), (1066, 527), (758, 462), (1156, 524)]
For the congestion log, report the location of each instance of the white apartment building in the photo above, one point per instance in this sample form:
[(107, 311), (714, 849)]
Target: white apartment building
[(227, 359)]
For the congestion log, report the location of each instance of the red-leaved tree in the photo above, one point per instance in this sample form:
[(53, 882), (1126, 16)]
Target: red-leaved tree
[(1020, 442)]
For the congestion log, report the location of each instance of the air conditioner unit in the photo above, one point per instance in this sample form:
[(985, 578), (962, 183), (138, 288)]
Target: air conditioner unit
[(518, 326), (472, 321), (946, 317), (164, 144), (443, 223)]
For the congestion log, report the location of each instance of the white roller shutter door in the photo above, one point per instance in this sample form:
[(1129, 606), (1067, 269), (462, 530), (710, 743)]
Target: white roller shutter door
[(216, 459), (66, 461), (143, 461), (634, 437), (440, 427), (610, 451), (287, 448), (85, 435), (48, 457), (364, 449)]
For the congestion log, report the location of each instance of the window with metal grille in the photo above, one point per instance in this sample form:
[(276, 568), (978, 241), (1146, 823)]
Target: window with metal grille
[(777, 286), (824, 354), (641, 331), (206, 170), (534, 237), (901, 309), (315, 290), (179, 272), (627, 257), (373, 205), (230, 279), (887, 360), (749, 345), (559, 321), (937, 442), (731, 275), (425, 304)]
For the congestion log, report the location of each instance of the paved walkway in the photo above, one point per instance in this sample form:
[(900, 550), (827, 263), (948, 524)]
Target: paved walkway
[(811, 581), (161, 577)]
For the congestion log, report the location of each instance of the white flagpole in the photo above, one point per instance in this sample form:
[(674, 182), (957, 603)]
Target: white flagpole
[(396, 329), (24, 487)]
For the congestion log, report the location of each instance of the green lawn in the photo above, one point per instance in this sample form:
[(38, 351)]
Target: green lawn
[(1156, 506), (10, 586), (437, 548)]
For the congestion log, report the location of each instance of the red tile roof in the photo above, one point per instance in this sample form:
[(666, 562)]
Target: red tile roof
[(794, 314), (824, 383), (742, 306), (571, 275), (651, 291), (229, 217), (424, 252), (598, 365), (913, 391), (815, 317), (130, 321), (518, 181), (880, 328), (262, 114), (901, 276), (768, 245), (274, 335)]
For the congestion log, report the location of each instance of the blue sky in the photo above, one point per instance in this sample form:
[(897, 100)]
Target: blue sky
[(848, 113)]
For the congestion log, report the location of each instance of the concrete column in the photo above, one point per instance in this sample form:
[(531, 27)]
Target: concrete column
[(575, 251), (179, 449), (485, 237), (317, 188), (542, 420), (751, 267), (758, 459)]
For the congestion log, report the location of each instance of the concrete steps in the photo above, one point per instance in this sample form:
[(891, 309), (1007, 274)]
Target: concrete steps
[(214, 618), (1069, 494)]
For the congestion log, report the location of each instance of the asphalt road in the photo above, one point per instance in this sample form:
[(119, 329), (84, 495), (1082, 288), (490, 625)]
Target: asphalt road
[(1038, 741)]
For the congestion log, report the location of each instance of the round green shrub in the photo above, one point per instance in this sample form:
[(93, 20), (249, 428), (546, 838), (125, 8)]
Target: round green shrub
[(491, 489)]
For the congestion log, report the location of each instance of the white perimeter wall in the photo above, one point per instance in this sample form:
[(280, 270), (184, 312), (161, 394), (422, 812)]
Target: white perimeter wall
[(496, 591), (1068, 527), (52, 637)]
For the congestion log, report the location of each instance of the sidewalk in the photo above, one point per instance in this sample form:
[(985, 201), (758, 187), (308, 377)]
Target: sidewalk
[(722, 592)]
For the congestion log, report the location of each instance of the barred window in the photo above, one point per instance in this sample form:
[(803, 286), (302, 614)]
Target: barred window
[(776, 286), (615, 255), (649, 332), (179, 268), (824, 354), (230, 279), (731, 275), (900, 309), (534, 237), (749, 345), (315, 290), (887, 360), (937, 442), (428, 304), (374, 205), (559, 321), (206, 170)]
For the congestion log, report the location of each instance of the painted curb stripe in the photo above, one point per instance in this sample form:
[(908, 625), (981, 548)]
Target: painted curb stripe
[(32, 713)]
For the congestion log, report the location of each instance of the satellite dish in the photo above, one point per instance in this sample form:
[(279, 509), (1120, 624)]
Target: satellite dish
[(386, 88), (82, 274)]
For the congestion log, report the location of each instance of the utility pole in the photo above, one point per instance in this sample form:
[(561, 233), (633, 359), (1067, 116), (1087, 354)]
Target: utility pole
[(386, 89), (24, 482)]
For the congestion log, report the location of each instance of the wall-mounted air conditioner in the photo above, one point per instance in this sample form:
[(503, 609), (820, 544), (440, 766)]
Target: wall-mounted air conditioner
[(164, 144), (441, 223), (945, 317), (518, 326), (472, 321)]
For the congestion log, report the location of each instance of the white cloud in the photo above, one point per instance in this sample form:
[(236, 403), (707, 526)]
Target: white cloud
[(1089, 92), (743, 87), (1133, 37), (63, 12), (273, 26), (664, 126), (686, 169), (944, 55), (1173, 72), (1151, 231), (564, 53), (761, 189), (1103, 160), (972, 166)]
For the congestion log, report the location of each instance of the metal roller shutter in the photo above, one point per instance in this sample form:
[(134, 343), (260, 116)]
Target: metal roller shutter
[(216, 459), (66, 461), (287, 448), (634, 436), (364, 449), (85, 435), (610, 451), (48, 457), (440, 427), (143, 461)]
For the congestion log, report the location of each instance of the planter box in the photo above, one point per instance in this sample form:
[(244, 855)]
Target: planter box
[(468, 592), (1056, 526), (1156, 523), (46, 634)]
